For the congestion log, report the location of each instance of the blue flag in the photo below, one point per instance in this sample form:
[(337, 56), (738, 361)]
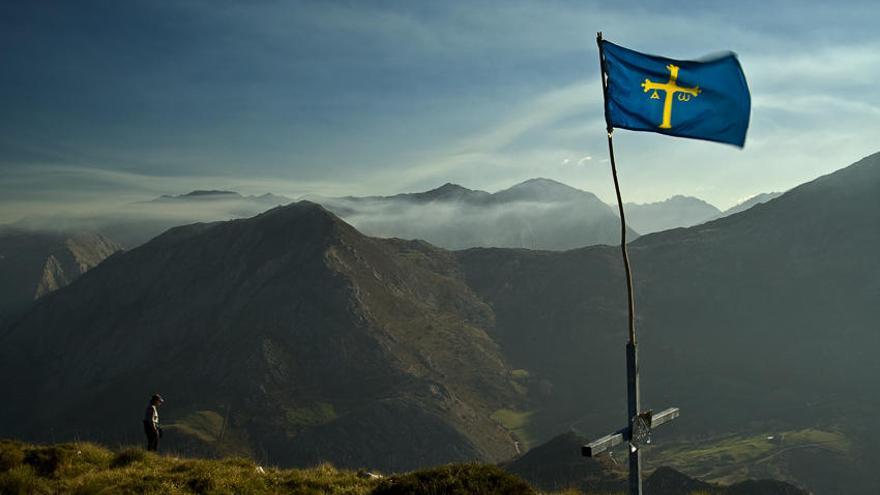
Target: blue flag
[(706, 99)]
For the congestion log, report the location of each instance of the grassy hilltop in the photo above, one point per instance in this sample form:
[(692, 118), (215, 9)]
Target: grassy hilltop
[(87, 468), (90, 469)]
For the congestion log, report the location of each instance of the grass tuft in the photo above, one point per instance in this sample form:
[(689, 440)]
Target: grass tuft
[(11, 455), (47, 461), (22, 480), (127, 457)]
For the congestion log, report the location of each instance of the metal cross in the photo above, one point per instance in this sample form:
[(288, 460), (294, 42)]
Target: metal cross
[(639, 428), (646, 423)]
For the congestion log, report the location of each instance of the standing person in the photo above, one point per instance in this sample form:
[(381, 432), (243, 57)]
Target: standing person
[(151, 422)]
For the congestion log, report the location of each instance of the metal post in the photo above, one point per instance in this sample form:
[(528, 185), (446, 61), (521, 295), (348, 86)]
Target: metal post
[(633, 409)]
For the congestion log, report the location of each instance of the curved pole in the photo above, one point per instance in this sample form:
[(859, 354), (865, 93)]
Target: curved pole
[(632, 363), (626, 267)]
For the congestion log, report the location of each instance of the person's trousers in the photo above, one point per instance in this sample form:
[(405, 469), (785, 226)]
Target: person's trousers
[(152, 437)]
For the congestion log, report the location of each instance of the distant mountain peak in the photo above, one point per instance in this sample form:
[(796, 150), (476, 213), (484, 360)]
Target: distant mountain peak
[(450, 186), (543, 182), (300, 210), (204, 194), (448, 189), (297, 220), (446, 192), (198, 195), (675, 199), (297, 207), (538, 213), (676, 211), (541, 189), (682, 197), (211, 192), (236, 204)]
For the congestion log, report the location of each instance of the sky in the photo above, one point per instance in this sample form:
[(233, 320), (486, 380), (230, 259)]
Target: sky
[(106, 102)]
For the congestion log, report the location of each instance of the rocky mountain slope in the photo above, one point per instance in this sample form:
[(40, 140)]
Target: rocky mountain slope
[(303, 338), (765, 319), (32, 264), (295, 337)]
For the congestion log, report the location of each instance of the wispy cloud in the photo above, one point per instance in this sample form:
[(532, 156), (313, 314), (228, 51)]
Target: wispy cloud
[(366, 98), (55, 190)]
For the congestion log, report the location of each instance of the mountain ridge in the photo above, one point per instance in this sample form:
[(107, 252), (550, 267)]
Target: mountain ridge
[(675, 212), (777, 287), (750, 202), (304, 359), (536, 214), (477, 349)]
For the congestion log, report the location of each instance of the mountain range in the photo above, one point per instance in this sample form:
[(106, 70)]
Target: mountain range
[(220, 195), (535, 214), (760, 321), (294, 337), (302, 338), (538, 213)]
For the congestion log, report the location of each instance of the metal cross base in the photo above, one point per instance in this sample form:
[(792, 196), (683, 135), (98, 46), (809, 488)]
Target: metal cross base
[(643, 426)]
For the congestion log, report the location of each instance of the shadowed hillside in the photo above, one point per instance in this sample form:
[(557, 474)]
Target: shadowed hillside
[(32, 264), (292, 337), (749, 203), (760, 321), (288, 335)]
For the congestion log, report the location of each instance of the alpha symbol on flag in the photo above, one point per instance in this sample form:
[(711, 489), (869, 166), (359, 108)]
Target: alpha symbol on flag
[(670, 87)]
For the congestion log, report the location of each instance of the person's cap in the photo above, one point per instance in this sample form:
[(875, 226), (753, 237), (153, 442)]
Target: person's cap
[(158, 398)]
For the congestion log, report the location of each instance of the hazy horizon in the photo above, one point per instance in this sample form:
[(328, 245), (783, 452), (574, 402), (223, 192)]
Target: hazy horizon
[(93, 215), (107, 104)]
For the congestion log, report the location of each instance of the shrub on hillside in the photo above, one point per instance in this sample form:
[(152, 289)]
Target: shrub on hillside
[(23, 480), (11, 455), (91, 456), (456, 479), (202, 482), (46, 461)]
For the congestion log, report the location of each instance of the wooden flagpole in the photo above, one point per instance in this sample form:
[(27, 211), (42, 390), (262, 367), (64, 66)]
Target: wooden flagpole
[(632, 365), (639, 425)]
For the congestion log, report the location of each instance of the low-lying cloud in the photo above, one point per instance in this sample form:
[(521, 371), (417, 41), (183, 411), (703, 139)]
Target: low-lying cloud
[(549, 225)]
